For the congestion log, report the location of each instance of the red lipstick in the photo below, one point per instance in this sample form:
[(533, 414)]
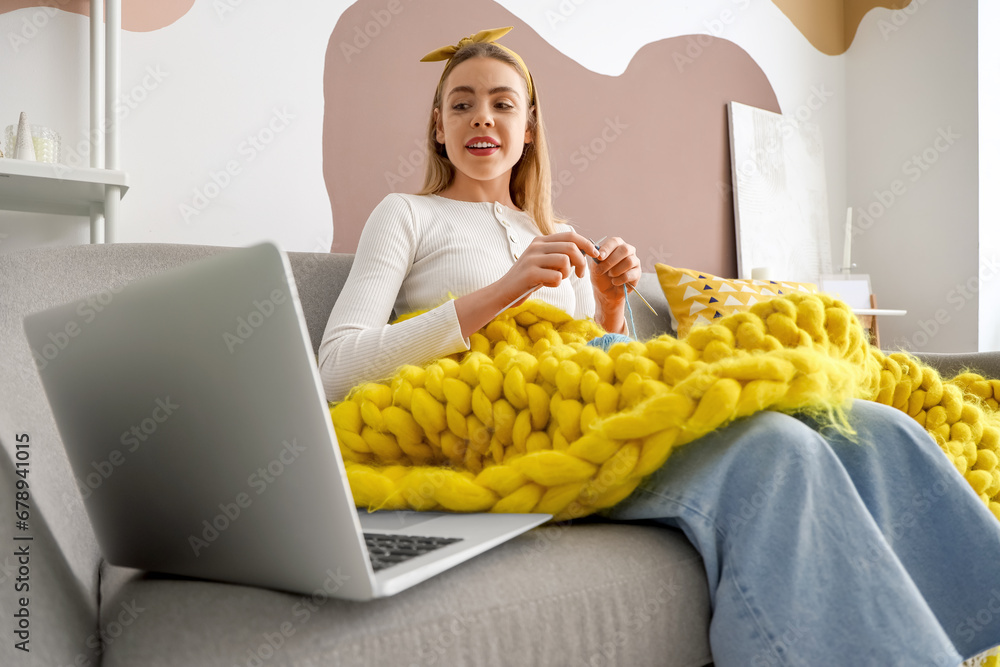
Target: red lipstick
[(482, 145)]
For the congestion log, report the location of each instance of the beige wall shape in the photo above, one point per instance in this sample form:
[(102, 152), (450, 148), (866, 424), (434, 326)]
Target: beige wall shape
[(643, 155), (830, 25), (137, 15)]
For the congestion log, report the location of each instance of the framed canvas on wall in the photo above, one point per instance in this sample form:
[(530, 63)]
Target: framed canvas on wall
[(779, 195)]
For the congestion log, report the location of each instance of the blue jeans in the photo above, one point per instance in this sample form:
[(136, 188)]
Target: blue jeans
[(819, 550)]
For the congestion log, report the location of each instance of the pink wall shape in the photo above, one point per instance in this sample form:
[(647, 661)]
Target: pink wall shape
[(643, 155)]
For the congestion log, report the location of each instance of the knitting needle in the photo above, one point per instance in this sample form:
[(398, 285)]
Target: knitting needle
[(536, 287), (598, 247), (520, 297), (643, 299)]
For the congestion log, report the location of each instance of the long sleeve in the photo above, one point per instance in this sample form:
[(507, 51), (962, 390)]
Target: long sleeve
[(414, 251), (358, 344)]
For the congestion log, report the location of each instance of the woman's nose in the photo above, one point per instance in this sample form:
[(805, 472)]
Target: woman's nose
[(482, 120)]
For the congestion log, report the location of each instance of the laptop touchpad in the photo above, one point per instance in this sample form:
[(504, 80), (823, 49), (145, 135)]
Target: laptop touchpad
[(393, 520)]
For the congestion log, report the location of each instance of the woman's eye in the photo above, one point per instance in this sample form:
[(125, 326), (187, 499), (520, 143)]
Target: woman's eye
[(460, 106), (504, 105)]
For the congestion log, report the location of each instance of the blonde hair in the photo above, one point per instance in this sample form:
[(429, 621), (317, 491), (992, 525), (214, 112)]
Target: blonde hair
[(531, 177)]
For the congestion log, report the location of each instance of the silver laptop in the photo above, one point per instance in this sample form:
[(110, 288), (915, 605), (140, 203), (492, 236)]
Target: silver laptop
[(193, 414)]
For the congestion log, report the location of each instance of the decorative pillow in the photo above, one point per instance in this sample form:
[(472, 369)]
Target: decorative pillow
[(697, 298)]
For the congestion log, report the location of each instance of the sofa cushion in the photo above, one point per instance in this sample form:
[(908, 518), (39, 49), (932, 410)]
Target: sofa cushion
[(588, 594), (696, 297)]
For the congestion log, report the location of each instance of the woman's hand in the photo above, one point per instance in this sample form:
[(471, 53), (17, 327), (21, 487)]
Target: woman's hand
[(546, 262), (616, 266)]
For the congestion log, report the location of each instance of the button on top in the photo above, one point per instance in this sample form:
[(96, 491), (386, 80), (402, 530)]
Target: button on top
[(512, 238)]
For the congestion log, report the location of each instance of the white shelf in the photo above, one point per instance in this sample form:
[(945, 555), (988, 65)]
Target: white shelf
[(879, 311), (39, 187)]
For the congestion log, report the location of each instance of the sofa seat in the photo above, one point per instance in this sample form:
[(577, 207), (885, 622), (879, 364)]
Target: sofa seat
[(586, 594)]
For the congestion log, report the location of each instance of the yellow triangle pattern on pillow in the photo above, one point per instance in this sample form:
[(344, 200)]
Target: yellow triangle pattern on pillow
[(698, 298)]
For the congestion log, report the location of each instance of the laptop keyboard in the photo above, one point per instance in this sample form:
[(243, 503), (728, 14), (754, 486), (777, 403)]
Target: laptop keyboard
[(388, 550)]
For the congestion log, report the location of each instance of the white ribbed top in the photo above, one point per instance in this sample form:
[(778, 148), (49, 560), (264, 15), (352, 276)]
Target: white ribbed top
[(413, 251)]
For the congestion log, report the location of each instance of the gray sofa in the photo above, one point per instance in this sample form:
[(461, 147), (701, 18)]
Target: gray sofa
[(592, 593)]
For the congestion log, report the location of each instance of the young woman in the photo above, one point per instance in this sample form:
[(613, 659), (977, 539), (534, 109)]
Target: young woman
[(817, 550)]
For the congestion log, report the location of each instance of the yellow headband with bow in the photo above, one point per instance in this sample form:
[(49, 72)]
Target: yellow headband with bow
[(491, 36)]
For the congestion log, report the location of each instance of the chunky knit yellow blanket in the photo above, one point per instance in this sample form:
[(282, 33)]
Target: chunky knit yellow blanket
[(532, 419)]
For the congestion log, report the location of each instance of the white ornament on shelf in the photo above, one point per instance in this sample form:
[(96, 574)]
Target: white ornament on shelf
[(24, 149)]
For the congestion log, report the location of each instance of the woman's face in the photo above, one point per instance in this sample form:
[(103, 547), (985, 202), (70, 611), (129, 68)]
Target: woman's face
[(483, 120)]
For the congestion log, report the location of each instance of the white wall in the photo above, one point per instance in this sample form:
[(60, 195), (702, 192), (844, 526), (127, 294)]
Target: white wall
[(912, 123), (200, 94), (989, 175), (223, 79), (219, 79)]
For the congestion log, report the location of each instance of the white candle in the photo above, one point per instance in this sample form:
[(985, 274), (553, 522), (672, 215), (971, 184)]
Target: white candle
[(847, 243), (45, 149)]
